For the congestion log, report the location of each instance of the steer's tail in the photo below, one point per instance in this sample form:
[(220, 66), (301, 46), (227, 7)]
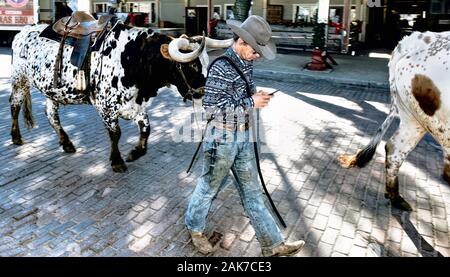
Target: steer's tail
[(365, 155), (28, 110)]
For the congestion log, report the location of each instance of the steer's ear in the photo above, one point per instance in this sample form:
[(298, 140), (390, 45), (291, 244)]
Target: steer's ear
[(164, 49)]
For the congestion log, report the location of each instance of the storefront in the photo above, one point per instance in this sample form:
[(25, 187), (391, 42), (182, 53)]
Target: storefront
[(393, 20), (140, 13)]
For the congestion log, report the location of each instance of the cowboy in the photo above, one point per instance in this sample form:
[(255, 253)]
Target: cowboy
[(229, 100)]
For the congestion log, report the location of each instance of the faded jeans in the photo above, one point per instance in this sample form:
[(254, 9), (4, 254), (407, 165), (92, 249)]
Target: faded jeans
[(225, 150)]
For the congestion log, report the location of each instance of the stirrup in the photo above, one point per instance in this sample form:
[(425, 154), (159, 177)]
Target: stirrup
[(80, 80)]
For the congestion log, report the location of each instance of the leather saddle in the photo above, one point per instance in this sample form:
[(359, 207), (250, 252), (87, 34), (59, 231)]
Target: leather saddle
[(82, 31), (81, 24)]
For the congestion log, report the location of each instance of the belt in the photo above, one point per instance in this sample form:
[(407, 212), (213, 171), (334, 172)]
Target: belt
[(241, 127)]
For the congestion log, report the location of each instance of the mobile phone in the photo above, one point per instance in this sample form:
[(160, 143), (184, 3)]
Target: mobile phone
[(272, 93)]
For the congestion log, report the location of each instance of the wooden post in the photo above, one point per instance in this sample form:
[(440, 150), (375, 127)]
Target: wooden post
[(324, 6), (158, 13), (210, 10), (346, 25), (265, 3), (323, 16)]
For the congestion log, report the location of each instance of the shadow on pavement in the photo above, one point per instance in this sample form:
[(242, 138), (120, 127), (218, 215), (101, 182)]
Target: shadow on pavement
[(425, 249)]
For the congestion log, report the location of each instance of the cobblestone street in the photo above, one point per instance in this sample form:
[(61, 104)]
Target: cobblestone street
[(58, 204)]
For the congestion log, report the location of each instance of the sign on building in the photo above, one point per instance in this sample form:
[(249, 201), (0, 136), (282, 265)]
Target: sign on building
[(16, 12)]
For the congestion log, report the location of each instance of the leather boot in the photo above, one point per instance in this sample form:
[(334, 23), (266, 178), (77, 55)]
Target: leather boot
[(201, 242), (284, 249)]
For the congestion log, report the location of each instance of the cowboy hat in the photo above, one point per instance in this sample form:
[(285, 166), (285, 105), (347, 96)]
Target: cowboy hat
[(256, 32)]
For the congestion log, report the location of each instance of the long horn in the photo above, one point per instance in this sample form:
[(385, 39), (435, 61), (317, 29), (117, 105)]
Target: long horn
[(216, 43), (183, 43)]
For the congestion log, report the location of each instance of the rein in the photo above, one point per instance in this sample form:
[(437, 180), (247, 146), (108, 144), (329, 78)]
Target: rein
[(99, 45), (191, 91)]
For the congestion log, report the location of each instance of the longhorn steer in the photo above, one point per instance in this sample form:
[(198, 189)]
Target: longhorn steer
[(125, 74), (419, 79)]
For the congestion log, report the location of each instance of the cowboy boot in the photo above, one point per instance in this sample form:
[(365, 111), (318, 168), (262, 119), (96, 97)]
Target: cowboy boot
[(201, 242), (284, 249)]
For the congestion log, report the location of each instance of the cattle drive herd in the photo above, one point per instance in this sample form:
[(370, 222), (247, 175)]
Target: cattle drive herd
[(132, 64)]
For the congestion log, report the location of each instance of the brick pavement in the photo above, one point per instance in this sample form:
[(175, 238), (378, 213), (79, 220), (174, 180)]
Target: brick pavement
[(56, 204)]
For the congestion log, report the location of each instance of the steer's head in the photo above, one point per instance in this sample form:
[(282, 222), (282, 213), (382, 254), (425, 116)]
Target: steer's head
[(191, 62)]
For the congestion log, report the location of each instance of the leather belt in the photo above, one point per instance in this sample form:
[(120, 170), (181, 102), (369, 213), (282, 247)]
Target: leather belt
[(241, 127)]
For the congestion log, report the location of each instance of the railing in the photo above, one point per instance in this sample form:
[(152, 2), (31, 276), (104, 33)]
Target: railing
[(292, 38), (175, 32)]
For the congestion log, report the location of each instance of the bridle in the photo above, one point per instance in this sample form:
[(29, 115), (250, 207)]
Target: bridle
[(191, 91)]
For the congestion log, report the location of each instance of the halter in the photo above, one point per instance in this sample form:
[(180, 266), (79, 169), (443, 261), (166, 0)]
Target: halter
[(191, 91)]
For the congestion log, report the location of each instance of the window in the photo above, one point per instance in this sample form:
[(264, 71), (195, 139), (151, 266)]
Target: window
[(440, 6), (337, 12), (101, 7), (229, 11), (127, 7), (148, 9), (304, 13), (143, 7), (217, 9)]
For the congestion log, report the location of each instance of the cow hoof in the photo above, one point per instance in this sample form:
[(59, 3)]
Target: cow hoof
[(399, 203), (69, 148), (119, 168), (17, 141), (135, 154)]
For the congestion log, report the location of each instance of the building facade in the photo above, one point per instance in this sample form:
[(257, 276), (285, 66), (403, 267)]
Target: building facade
[(381, 22)]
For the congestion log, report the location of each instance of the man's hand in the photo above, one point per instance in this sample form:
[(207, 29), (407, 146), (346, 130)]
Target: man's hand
[(261, 99)]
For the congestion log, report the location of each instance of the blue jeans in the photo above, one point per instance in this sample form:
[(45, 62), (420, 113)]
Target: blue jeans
[(225, 150)]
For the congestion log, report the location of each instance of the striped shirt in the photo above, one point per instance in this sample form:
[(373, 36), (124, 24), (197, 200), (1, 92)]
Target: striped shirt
[(226, 95)]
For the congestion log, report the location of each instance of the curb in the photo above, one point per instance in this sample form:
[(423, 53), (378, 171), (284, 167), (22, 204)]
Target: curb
[(300, 77)]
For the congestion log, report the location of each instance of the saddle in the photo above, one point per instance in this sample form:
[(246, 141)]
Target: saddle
[(82, 31), (81, 24)]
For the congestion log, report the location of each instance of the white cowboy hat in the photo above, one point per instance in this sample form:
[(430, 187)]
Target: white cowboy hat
[(256, 32)]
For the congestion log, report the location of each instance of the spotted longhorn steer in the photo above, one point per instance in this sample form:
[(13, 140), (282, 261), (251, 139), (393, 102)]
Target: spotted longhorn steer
[(124, 76), (419, 76)]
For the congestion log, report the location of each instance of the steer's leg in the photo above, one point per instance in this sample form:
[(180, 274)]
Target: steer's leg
[(15, 129), (51, 110), (144, 131), (19, 88), (397, 149), (117, 163)]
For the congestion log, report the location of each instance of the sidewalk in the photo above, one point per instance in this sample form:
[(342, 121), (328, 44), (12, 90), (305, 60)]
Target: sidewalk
[(5, 61), (351, 70), (289, 66)]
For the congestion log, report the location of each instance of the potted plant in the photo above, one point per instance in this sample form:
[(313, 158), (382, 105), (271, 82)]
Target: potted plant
[(318, 62)]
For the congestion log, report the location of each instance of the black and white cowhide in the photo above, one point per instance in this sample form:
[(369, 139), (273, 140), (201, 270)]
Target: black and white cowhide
[(125, 74)]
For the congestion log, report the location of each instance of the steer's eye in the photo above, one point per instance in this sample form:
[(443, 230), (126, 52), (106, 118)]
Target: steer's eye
[(194, 66)]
